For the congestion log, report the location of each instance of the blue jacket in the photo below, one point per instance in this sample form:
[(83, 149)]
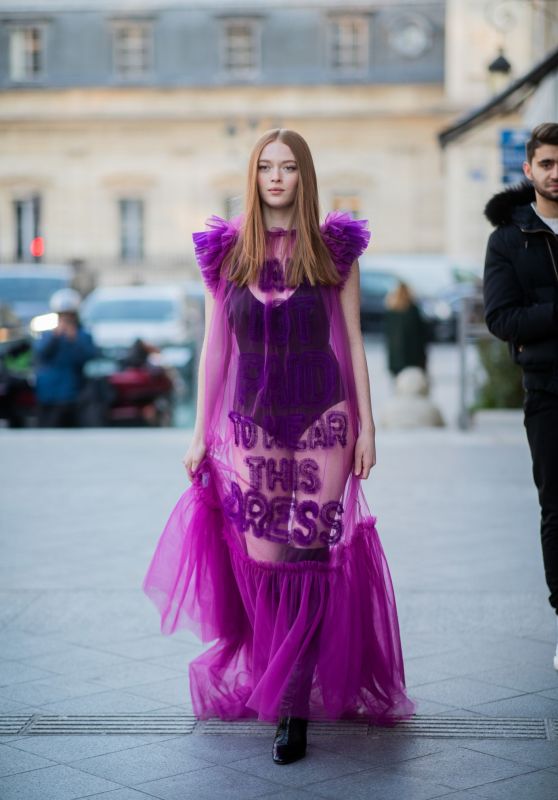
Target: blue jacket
[(59, 365)]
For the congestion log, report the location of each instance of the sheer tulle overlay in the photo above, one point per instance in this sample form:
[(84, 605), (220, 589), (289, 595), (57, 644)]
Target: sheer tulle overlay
[(272, 553)]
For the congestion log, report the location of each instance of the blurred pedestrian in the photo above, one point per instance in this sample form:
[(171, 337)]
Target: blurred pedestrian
[(406, 331), (521, 307), (273, 551), (60, 356)]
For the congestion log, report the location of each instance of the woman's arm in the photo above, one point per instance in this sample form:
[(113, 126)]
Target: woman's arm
[(365, 448), (196, 451)]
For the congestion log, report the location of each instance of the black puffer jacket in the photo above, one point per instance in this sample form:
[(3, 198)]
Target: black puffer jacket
[(521, 285)]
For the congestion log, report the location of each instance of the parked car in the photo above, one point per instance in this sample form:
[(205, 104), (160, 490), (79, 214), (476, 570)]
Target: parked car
[(437, 282), (27, 288), (442, 310), (374, 286), (11, 326), (161, 316), (425, 273), (17, 376)]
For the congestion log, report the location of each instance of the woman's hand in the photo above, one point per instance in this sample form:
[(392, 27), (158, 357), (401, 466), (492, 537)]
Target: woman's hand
[(365, 454), (194, 456)]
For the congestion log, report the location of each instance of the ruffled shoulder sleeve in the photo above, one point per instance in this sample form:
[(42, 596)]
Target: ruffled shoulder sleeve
[(212, 245), (346, 239)]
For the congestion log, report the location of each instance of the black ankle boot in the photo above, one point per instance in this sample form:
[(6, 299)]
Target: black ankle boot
[(290, 740)]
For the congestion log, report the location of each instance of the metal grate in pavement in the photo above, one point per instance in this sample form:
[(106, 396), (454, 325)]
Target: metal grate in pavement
[(471, 727), (98, 723), (434, 727), (255, 728), (242, 727), (12, 723), (339, 728)]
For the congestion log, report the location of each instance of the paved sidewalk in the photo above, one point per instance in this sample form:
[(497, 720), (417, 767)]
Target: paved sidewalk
[(80, 514)]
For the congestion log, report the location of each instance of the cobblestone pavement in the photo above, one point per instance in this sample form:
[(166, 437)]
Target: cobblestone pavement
[(81, 512)]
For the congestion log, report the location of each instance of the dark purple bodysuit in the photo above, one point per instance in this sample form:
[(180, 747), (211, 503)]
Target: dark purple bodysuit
[(288, 374)]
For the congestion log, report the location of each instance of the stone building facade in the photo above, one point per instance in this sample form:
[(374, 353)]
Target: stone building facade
[(473, 167), (123, 126)]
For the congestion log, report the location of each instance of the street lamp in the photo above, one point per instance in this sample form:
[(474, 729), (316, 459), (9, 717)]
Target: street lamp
[(499, 71)]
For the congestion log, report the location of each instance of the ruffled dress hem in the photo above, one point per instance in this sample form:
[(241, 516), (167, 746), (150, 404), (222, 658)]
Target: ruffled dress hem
[(315, 640)]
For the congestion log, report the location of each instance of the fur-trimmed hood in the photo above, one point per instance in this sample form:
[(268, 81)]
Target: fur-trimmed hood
[(505, 207)]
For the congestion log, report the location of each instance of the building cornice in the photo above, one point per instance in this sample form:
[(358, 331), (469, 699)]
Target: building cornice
[(152, 105)]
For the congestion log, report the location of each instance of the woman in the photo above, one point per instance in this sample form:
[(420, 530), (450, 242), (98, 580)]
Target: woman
[(406, 331), (273, 551)]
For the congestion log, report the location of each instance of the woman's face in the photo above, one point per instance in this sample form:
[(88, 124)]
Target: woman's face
[(277, 175)]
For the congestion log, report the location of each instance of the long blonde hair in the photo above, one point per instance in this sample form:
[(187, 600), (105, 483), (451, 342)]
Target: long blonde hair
[(400, 299), (310, 258)]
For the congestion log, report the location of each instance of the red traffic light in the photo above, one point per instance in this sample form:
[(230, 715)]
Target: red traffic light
[(37, 247)]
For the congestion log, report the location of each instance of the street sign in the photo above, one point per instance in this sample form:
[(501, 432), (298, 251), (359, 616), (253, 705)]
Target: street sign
[(512, 148)]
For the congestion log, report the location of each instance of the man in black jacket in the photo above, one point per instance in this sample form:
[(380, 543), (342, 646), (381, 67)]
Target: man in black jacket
[(521, 307)]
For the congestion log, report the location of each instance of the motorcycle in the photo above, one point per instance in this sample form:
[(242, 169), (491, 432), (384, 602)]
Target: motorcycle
[(131, 389), (126, 389)]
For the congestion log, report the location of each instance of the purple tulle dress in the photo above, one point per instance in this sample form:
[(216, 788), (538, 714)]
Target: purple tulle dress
[(272, 553)]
